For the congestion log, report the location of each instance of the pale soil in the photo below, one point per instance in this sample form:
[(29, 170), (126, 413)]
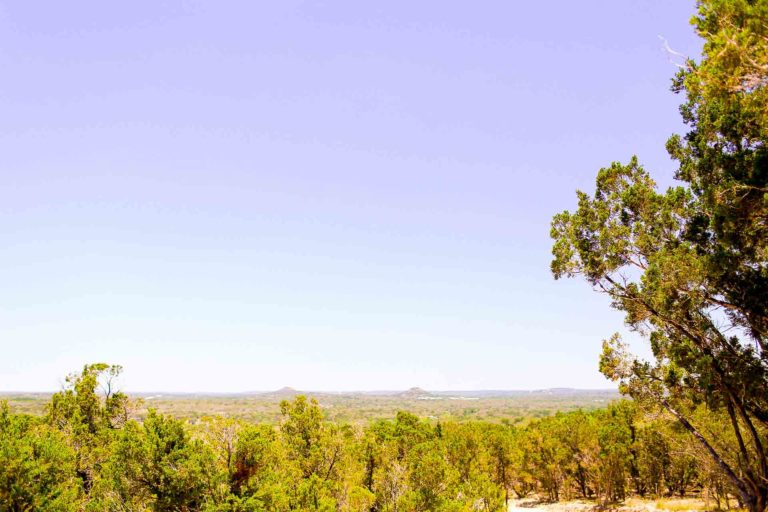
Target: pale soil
[(630, 505)]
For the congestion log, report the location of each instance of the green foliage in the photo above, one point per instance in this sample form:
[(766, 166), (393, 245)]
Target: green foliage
[(306, 463), (157, 465), (88, 418), (38, 467), (689, 266)]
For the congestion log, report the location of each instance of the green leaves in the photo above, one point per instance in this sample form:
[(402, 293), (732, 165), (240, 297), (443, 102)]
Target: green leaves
[(406, 463), (156, 463), (689, 267), (38, 467)]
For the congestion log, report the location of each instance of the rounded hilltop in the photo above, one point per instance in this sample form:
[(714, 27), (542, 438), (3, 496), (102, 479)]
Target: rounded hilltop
[(414, 392), (284, 392)]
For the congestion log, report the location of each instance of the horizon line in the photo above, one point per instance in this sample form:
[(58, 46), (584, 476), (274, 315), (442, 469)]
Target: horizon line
[(333, 391)]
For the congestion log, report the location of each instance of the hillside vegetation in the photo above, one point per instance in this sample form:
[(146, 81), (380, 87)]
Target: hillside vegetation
[(86, 453)]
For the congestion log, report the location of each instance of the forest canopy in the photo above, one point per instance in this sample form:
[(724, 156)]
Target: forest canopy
[(89, 452)]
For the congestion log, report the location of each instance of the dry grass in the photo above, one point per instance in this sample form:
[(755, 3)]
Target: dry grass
[(630, 505), (683, 504)]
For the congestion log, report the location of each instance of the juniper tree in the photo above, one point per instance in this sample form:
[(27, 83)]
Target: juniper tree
[(689, 265)]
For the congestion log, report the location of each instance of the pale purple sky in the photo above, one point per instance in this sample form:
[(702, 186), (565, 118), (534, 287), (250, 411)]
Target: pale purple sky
[(230, 196)]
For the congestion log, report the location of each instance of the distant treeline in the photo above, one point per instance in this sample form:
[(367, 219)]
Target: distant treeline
[(86, 454)]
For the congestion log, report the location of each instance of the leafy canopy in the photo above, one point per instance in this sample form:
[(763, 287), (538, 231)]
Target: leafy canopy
[(689, 265)]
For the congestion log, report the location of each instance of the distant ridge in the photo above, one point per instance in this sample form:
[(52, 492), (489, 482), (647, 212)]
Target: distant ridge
[(502, 393), (414, 392)]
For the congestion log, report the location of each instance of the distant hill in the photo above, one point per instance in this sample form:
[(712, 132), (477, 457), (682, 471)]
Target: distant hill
[(284, 392), (414, 393)]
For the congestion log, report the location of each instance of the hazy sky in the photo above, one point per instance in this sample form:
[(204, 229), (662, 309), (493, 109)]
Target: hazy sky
[(232, 196)]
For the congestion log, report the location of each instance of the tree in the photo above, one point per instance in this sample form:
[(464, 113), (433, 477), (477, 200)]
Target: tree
[(689, 266), (549, 456), (320, 455), (430, 477), (302, 431), (500, 446), (157, 466), (79, 405), (579, 433), (38, 467), (89, 418), (653, 458)]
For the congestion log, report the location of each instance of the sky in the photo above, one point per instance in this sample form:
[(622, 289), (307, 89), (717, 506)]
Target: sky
[(235, 196)]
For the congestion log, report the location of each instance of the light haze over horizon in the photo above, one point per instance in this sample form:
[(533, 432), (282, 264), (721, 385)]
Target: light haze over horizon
[(242, 196)]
